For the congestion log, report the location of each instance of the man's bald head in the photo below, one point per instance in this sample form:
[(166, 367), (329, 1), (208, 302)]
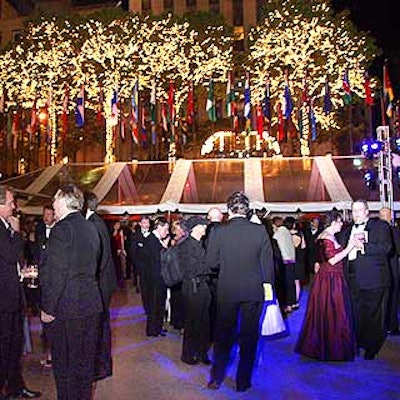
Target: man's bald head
[(385, 214), (215, 215)]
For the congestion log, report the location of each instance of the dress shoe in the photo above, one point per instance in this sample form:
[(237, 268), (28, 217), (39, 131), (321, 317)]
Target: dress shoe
[(190, 361), (243, 388), (395, 332), (25, 393), (369, 355), (213, 385)]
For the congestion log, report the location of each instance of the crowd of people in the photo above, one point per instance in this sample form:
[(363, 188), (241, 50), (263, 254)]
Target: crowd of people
[(230, 266)]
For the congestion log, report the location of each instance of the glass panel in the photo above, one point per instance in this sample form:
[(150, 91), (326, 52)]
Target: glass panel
[(150, 182), (23, 181), (86, 176), (292, 180), (352, 172), (213, 181)]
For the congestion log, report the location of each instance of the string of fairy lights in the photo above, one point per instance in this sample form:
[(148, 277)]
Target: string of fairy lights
[(106, 57)]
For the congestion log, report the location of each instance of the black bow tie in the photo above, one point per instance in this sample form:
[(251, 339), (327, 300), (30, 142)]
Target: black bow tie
[(357, 225)]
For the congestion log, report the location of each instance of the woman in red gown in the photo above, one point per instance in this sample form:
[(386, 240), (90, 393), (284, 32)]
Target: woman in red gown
[(327, 333)]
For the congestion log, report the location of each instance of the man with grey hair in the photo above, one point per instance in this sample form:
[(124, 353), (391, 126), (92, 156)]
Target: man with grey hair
[(368, 274), (11, 332), (71, 300)]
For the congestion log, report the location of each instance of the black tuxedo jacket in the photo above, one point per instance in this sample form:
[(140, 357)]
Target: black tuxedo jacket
[(106, 271), (242, 252), (371, 270), (10, 251), (138, 251), (151, 258), (68, 276)]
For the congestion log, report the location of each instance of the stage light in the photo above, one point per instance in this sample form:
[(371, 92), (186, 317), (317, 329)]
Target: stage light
[(370, 179), (397, 144), (370, 148)]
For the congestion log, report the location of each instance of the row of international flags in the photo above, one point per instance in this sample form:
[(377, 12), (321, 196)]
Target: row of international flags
[(258, 116)]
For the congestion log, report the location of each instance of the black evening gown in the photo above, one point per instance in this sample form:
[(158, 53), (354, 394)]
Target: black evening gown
[(327, 333)]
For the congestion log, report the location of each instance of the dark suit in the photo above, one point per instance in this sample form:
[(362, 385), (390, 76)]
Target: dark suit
[(242, 251), (70, 293), (108, 283), (394, 292), (139, 260), (154, 285), (369, 280), (11, 334)]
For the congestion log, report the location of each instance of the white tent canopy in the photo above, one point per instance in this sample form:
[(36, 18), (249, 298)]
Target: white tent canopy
[(278, 185)]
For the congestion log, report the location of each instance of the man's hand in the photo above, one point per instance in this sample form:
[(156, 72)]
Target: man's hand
[(14, 223), (46, 318)]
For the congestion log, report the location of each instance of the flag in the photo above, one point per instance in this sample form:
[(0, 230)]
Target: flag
[(387, 92), (260, 120), (190, 105), (143, 125), (80, 108), (327, 99), (64, 118), (281, 130), (99, 113), (164, 116), (171, 103), (287, 107), (346, 88), (247, 102), (267, 103), (135, 113), (230, 95), (313, 122), (368, 95), (210, 105), (114, 108), (153, 110)]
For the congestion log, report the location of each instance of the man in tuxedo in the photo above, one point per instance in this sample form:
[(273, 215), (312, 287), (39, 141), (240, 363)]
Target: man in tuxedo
[(368, 274), (153, 282), (11, 332), (42, 234), (392, 327), (71, 299), (138, 258), (107, 278), (311, 234), (242, 252)]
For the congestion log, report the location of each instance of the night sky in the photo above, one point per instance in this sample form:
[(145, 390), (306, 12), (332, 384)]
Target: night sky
[(382, 21)]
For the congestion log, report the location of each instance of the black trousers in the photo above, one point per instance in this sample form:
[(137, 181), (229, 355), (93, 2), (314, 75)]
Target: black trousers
[(11, 341), (103, 364), (392, 323), (290, 286), (196, 334), (73, 349), (369, 309), (156, 312), (228, 314), (177, 306)]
